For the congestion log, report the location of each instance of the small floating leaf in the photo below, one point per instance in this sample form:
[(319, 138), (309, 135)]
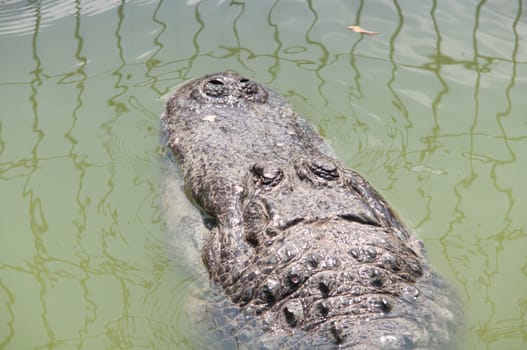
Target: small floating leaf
[(359, 30)]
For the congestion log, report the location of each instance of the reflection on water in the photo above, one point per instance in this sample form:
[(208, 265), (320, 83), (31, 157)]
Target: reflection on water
[(431, 111), (18, 17)]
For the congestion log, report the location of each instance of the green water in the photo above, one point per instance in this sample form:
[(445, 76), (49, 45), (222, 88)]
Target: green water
[(433, 111)]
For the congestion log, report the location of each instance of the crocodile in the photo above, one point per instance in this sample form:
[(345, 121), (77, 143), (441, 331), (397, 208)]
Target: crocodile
[(304, 251)]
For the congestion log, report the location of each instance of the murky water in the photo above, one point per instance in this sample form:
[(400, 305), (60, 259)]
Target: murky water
[(432, 111)]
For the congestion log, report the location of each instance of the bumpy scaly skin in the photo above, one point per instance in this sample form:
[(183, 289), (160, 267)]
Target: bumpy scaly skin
[(308, 251)]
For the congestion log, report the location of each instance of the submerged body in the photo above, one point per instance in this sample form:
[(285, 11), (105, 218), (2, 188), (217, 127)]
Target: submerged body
[(306, 252)]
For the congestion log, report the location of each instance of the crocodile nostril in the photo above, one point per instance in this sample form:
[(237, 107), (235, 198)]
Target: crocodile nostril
[(248, 87), (215, 82), (214, 88)]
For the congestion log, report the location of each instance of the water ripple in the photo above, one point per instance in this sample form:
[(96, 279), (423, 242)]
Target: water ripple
[(20, 17)]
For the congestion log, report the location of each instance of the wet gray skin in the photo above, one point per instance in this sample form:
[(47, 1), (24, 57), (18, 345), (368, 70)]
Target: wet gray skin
[(305, 253)]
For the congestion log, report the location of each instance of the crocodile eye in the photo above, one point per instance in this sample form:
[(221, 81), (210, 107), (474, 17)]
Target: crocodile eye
[(324, 168), (267, 174), (214, 88)]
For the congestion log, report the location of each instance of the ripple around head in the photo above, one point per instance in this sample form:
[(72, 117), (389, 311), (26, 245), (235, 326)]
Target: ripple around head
[(19, 17)]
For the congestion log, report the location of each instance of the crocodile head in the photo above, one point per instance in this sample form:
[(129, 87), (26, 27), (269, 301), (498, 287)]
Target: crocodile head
[(299, 243)]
